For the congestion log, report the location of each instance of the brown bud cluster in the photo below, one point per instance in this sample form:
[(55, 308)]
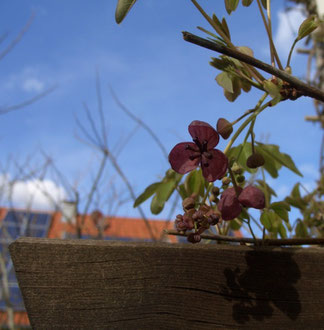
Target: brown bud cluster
[(200, 219)]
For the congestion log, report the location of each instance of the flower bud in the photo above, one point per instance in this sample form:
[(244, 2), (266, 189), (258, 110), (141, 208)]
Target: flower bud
[(188, 203), (194, 238), (224, 128), (226, 180), (237, 169), (229, 205), (255, 160), (215, 191), (252, 197), (240, 178)]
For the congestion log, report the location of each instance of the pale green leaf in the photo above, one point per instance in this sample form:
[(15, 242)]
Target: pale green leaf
[(123, 7)]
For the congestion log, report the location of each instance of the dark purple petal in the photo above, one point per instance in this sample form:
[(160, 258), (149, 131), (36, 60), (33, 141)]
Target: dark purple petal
[(204, 132), (231, 191), (179, 157), (214, 167), (252, 197), (229, 206)]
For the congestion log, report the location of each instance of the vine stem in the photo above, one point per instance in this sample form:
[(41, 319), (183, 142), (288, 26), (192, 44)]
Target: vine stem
[(257, 241)]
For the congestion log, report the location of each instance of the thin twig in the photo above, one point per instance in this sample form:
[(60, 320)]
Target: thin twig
[(23, 104), (257, 241), (140, 122), (18, 38), (305, 89)]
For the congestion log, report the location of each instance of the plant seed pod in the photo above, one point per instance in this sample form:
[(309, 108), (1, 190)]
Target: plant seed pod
[(255, 160), (224, 128)]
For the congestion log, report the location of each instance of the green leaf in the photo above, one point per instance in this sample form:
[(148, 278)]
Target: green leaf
[(163, 193), (148, 192), (263, 185), (266, 219), (236, 224), (282, 231), (281, 158), (246, 3), (231, 5), (295, 191), (301, 229), (225, 28), (246, 50), (295, 198), (224, 80), (195, 183), (281, 209), (123, 7), (236, 90), (182, 191), (307, 27), (272, 89)]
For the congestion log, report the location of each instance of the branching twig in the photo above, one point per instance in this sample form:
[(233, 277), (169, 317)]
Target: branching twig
[(305, 89), (140, 122)]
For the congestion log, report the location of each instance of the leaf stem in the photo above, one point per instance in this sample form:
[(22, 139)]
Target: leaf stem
[(272, 46), (247, 121)]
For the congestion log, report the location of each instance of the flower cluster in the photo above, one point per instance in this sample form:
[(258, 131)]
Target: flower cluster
[(187, 156), (200, 219)]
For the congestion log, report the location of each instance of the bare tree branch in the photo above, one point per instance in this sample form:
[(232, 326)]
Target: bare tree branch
[(139, 121), (18, 38)]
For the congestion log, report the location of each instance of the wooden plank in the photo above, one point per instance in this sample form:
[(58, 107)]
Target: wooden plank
[(86, 284)]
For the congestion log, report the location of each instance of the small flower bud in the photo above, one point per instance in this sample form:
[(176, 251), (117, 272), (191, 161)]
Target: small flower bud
[(188, 203), (213, 219), (213, 198), (194, 238), (224, 128), (240, 178), (215, 191), (226, 181), (255, 160), (237, 169)]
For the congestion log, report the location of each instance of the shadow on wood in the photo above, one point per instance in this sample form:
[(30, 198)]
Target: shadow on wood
[(84, 284)]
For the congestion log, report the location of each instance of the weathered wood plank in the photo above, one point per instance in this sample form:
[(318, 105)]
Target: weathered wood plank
[(74, 284)]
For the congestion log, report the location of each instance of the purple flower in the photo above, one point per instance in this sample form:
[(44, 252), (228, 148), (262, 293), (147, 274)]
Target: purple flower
[(186, 156), (230, 205)]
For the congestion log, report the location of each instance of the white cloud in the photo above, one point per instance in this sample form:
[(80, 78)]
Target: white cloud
[(28, 80), (33, 85), (288, 24), (32, 194)]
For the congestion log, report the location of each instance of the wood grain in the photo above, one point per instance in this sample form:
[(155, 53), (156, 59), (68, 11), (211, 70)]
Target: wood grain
[(86, 284)]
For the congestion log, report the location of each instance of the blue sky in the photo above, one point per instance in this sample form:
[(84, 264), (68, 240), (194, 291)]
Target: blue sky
[(155, 74)]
